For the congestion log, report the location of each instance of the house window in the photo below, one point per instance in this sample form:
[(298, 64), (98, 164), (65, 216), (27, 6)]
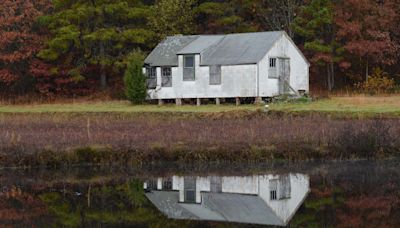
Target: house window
[(190, 189), (166, 77), (215, 75), (151, 185), (273, 195), (167, 184), (272, 72), (189, 61), (273, 189), (272, 62), (280, 188), (151, 73), (188, 68)]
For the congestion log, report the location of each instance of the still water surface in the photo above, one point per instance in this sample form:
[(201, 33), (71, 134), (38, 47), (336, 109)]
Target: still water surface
[(345, 194)]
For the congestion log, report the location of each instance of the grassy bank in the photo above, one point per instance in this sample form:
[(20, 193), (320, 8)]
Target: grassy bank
[(68, 139), (364, 106)]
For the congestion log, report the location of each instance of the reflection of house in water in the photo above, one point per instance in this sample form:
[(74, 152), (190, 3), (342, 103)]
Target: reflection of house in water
[(264, 199)]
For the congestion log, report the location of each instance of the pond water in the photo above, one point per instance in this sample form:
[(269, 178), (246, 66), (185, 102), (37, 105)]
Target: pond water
[(340, 194)]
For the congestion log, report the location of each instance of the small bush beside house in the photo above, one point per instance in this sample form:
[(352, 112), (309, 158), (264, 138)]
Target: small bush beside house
[(135, 80)]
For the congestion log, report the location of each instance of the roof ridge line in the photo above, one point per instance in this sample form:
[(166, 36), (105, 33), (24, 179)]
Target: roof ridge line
[(214, 45)]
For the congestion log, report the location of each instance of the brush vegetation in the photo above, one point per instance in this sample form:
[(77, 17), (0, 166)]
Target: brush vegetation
[(68, 139)]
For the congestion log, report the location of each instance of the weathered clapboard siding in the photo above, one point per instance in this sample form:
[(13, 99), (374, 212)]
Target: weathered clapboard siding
[(247, 75)]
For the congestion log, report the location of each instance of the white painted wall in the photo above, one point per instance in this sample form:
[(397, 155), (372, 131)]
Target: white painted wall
[(236, 80), (285, 209), (299, 69), (241, 185)]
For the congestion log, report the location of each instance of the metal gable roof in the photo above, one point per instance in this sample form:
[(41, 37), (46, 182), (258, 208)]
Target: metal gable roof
[(201, 44), (242, 48), (165, 54), (231, 49), (226, 207)]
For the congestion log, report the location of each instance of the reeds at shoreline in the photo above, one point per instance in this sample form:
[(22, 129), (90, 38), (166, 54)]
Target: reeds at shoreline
[(57, 140)]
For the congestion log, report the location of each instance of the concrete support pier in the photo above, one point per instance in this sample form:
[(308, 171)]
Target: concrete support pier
[(237, 101), (217, 101), (178, 101), (258, 100), (198, 101), (160, 102)]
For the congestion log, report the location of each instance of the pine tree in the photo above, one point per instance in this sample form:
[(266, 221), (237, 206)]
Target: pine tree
[(135, 80), (97, 34), (170, 17), (315, 25)]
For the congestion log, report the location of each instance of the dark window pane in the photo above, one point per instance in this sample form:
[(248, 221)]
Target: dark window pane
[(189, 61), (166, 77), (151, 73)]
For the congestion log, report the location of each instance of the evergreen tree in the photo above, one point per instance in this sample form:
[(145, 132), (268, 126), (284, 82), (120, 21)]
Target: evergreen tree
[(135, 80), (99, 33), (315, 25), (218, 17), (170, 17)]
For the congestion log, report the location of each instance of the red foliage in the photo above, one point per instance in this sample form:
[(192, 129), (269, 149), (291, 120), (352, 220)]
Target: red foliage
[(369, 211), (19, 41), (31, 207), (364, 28)]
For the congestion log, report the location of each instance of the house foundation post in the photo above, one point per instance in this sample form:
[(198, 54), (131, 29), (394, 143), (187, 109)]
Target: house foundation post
[(198, 101), (258, 100), (178, 101), (160, 102), (217, 101), (237, 101)]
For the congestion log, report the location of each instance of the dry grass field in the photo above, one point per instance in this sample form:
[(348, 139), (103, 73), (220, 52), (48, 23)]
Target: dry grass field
[(345, 105)]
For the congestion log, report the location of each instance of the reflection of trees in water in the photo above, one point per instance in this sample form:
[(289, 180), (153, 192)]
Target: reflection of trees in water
[(20, 208), (93, 205), (351, 196)]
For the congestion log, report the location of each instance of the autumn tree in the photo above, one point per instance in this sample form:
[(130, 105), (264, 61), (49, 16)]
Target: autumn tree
[(20, 40), (315, 26), (364, 28), (95, 34)]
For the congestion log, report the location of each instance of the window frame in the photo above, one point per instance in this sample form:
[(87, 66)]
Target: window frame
[(164, 82), (192, 69), (151, 77), (219, 75), (272, 62), (184, 61), (150, 70), (273, 68)]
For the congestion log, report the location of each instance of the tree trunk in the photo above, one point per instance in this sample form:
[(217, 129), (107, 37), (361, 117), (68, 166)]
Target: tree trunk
[(366, 71), (328, 77), (332, 69), (103, 76)]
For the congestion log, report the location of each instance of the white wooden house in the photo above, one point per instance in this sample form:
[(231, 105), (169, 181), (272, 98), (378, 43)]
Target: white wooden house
[(244, 65), (260, 199)]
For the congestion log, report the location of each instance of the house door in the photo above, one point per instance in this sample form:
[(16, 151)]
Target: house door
[(284, 75)]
